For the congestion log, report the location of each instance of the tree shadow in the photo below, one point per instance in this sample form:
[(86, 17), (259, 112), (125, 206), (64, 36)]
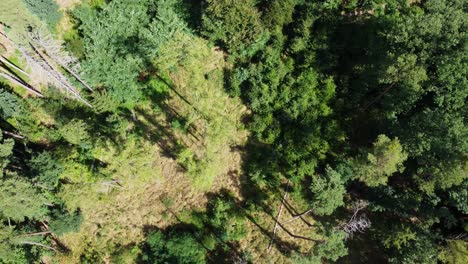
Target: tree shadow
[(283, 246), (257, 162), (211, 238), (159, 134)]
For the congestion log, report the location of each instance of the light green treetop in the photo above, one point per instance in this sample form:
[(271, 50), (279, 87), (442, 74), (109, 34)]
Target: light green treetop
[(385, 158)]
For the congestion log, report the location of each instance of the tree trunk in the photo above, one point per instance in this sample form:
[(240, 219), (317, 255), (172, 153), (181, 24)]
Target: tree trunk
[(277, 218), (7, 62), (37, 244), (20, 83)]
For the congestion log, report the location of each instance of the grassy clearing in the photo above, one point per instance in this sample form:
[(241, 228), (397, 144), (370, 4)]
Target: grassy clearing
[(149, 167), (115, 218), (196, 72)]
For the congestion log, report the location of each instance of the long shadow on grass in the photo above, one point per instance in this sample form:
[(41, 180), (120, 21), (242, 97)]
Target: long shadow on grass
[(157, 133), (203, 228), (238, 209), (219, 228)]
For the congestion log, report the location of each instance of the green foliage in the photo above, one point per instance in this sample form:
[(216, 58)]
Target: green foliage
[(117, 55), (133, 162), (214, 233), (421, 250), (456, 252), (65, 222), (436, 46), (15, 15), (46, 170), (9, 104), (320, 80), (159, 86), (96, 3), (6, 149), (196, 71), (9, 253), (74, 131), (234, 24), (114, 66), (22, 115), (333, 248), (385, 158), (74, 43), (46, 10), (459, 197), (174, 247), (224, 218), (328, 192), (20, 200), (402, 80), (401, 236), (289, 106), (279, 13)]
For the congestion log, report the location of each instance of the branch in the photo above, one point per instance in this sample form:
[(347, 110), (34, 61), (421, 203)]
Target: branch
[(386, 90), (294, 213), (299, 215), (36, 234)]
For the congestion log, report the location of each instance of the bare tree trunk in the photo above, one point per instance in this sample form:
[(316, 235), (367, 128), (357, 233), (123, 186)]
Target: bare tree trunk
[(20, 83), (7, 62), (76, 76), (55, 74), (37, 61), (73, 74), (385, 91), (294, 213), (277, 217), (13, 135), (57, 60), (37, 244), (36, 234)]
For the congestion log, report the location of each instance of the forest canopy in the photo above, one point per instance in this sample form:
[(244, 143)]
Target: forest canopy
[(233, 131)]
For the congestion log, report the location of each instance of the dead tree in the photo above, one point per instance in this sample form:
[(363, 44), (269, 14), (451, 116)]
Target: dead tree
[(358, 221), (40, 67), (53, 48), (46, 60)]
